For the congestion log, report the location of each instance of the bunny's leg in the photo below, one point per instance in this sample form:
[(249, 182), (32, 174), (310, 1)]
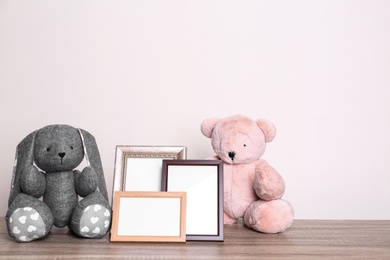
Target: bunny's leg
[(92, 216), (28, 219)]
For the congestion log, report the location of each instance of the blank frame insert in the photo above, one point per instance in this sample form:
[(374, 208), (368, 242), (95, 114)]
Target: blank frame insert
[(149, 217)]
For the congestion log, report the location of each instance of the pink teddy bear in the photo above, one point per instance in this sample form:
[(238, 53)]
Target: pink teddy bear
[(252, 188)]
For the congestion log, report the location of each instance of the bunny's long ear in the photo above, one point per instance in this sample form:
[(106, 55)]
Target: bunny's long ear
[(92, 156), (24, 159)]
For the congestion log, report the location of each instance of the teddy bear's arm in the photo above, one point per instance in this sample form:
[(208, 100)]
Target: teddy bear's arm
[(268, 183), (33, 182), (86, 181)]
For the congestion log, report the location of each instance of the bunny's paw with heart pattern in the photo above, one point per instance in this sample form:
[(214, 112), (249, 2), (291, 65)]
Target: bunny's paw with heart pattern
[(95, 221), (26, 225)]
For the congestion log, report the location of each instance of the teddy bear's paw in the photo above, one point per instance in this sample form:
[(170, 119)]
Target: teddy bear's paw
[(269, 184), (269, 216), (26, 224), (95, 221)]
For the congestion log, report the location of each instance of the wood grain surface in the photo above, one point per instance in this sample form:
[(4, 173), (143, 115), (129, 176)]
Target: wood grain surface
[(306, 239)]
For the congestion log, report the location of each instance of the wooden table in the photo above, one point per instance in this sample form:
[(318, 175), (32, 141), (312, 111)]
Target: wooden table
[(306, 239)]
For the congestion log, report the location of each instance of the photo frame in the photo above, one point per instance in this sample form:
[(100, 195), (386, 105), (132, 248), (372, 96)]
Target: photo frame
[(203, 182), (149, 217), (139, 168)]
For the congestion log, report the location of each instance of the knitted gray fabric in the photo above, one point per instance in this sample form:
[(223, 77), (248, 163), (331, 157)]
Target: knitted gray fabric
[(91, 218), (56, 150), (27, 212)]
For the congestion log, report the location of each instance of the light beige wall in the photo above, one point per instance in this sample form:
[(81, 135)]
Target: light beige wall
[(149, 72)]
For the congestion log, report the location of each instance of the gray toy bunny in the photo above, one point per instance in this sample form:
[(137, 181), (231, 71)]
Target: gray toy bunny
[(46, 186)]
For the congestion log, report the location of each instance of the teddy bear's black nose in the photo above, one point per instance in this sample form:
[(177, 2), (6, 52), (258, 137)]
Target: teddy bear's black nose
[(231, 155), (61, 155)]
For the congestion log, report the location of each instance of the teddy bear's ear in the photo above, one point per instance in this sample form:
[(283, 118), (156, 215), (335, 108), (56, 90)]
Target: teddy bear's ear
[(207, 126), (268, 129), (24, 159), (92, 157)]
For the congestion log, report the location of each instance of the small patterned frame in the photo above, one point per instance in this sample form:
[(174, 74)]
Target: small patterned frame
[(139, 168)]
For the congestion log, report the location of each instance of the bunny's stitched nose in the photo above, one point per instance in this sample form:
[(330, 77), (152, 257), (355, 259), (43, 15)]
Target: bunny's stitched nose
[(61, 155), (231, 155)]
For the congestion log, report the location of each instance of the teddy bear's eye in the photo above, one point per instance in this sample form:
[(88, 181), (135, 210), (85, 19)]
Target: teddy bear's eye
[(71, 147), (48, 149), (244, 145)]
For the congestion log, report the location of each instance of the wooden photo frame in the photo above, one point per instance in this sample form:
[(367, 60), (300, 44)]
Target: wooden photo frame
[(149, 217), (139, 168), (203, 182)]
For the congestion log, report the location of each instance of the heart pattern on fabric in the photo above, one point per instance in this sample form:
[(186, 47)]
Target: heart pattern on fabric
[(16, 230), (25, 239), (22, 219), (85, 229), (34, 216), (95, 221), (28, 225), (106, 223), (31, 228)]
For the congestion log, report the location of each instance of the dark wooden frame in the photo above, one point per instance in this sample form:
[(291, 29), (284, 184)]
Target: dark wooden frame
[(218, 190)]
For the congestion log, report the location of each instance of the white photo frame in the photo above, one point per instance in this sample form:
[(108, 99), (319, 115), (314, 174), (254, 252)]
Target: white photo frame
[(149, 217), (203, 182)]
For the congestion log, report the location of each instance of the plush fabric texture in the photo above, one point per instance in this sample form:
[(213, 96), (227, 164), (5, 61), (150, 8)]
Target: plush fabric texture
[(253, 189), (92, 216), (26, 224), (46, 184), (25, 211)]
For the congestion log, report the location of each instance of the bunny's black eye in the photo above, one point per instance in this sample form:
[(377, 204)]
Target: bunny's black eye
[(244, 145), (48, 149), (71, 147)]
